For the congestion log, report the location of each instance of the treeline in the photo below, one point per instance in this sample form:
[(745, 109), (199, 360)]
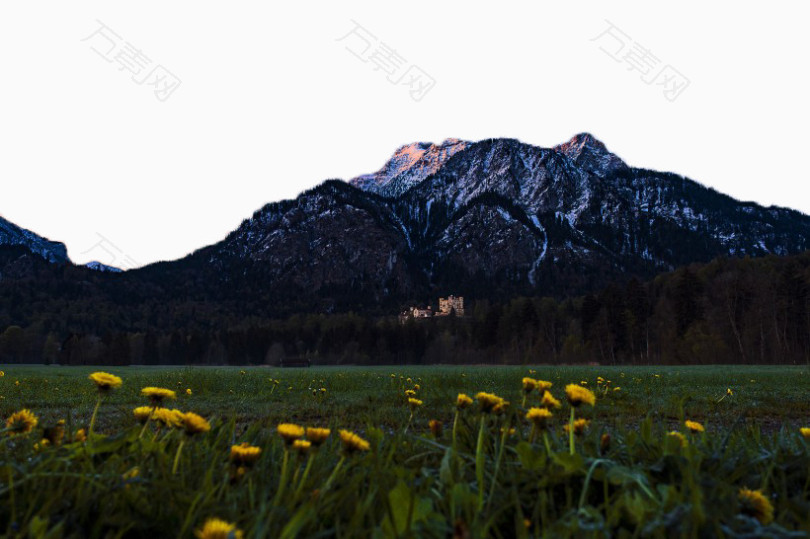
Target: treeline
[(727, 311)]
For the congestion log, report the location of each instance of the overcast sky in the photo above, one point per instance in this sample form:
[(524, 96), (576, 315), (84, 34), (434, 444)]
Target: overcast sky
[(140, 132)]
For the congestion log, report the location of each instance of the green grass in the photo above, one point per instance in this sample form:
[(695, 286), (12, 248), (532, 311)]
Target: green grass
[(769, 396), (410, 483)]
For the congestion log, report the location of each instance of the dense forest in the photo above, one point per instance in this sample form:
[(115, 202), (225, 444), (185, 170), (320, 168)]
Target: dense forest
[(730, 310)]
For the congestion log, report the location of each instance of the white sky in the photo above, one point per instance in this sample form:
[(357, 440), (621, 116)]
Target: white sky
[(271, 103)]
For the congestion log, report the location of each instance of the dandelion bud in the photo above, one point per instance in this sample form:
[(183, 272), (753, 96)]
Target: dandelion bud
[(604, 443)]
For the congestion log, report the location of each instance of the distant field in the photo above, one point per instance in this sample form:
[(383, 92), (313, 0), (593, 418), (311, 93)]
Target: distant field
[(485, 472), (768, 396)]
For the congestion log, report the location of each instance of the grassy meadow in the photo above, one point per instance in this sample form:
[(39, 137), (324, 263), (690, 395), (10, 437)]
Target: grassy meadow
[(429, 467)]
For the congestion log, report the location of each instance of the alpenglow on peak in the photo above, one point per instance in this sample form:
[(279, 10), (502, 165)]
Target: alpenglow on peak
[(409, 165)]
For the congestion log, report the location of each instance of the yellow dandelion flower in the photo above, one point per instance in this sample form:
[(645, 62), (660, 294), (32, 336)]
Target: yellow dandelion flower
[(352, 442), (21, 422), (584, 383), (215, 528), (678, 436), (2, 374), (239, 473), (41, 445), (168, 418), (188, 391), (302, 446), (579, 426), (617, 388), (290, 432), (489, 401), (436, 427), (539, 417), (729, 392), (245, 453), (80, 436), (317, 435), (410, 393), (693, 426), (542, 386), (805, 431), (414, 403), (755, 504), (529, 384), (177, 418), (463, 401), (500, 408), (142, 413), (549, 401), (158, 394), (195, 424), (55, 434), (105, 381), (417, 387), (578, 395)]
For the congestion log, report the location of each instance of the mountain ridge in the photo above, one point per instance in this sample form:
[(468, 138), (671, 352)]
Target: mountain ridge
[(544, 207), (12, 234), (491, 218)]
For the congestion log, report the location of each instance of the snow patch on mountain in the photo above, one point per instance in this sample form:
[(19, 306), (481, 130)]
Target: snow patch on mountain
[(104, 268), (532, 275)]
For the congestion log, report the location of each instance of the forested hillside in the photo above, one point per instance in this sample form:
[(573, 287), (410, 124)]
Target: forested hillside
[(728, 311)]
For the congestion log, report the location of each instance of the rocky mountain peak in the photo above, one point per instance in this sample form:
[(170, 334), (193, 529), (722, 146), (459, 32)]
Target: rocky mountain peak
[(409, 165), (590, 154)]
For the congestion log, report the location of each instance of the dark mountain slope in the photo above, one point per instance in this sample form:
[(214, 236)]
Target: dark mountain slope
[(490, 219)]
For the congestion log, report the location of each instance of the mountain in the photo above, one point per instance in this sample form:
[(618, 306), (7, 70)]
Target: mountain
[(590, 154), (104, 268), (491, 218), (53, 251), (410, 165)]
